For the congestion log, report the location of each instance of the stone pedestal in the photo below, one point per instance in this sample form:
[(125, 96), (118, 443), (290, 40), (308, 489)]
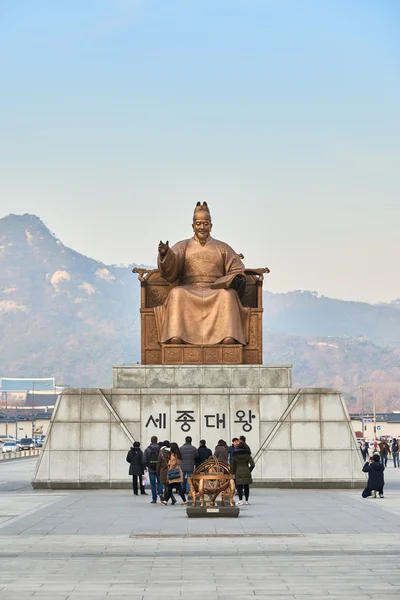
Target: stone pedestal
[(212, 512), (298, 437)]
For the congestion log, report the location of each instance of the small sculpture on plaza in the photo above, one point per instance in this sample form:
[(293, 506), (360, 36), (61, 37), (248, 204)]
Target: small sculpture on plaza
[(212, 478)]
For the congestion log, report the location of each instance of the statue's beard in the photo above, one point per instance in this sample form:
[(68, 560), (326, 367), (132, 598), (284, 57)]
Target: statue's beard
[(203, 238)]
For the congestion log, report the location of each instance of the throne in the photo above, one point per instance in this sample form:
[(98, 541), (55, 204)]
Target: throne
[(154, 291)]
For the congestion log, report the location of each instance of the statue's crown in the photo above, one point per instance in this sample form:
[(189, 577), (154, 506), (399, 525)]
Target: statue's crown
[(201, 207)]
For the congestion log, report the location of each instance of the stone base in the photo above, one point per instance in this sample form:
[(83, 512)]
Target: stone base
[(299, 438), (178, 377), (212, 512)]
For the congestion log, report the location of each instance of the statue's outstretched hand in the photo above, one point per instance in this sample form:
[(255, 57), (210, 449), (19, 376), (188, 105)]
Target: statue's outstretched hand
[(163, 248)]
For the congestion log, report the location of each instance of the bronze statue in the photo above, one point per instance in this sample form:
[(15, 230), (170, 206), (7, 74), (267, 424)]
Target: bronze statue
[(204, 307), (212, 478)]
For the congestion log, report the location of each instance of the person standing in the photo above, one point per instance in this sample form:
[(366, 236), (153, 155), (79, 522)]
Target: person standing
[(162, 467), (242, 439), (364, 449), (221, 451), (136, 468), (174, 475), (231, 449), (242, 466), (203, 453), (150, 460), (384, 451), (376, 481), (395, 453), (189, 456)]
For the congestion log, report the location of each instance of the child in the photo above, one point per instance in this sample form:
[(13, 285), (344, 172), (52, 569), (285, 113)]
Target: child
[(375, 483)]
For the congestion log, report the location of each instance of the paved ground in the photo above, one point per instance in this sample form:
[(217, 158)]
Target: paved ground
[(293, 544)]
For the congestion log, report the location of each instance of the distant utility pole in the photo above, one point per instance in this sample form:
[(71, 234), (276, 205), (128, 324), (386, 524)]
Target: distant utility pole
[(362, 410), (5, 393), (374, 411), (33, 405)]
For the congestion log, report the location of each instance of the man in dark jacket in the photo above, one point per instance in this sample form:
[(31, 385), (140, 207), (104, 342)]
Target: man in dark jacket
[(376, 481), (242, 440), (189, 456), (203, 453), (150, 459)]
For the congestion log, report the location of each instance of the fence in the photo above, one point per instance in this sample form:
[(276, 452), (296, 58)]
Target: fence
[(22, 454)]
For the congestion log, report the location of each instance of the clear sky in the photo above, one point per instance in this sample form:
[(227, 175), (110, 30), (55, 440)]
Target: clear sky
[(117, 116)]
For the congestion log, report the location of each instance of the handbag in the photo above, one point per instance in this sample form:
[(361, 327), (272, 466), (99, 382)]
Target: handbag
[(174, 474)]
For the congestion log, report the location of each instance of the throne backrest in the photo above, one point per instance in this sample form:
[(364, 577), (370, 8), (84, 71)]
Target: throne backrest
[(155, 289)]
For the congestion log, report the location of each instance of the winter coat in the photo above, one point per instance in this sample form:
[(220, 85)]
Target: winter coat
[(384, 449), (146, 457), (221, 452), (162, 464), (231, 451), (203, 453), (189, 456), (242, 466), (375, 470), (135, 458), (175, 463)]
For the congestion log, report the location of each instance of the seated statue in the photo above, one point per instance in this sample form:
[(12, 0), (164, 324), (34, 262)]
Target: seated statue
[(204, 307)]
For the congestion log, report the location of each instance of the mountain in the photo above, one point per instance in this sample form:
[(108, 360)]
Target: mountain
[(62, 313), (309, 314), (70, 316)]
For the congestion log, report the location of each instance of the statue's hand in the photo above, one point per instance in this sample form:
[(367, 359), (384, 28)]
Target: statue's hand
[(163, 248)]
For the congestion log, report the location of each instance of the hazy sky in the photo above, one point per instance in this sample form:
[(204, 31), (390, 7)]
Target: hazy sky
[(117, 116)]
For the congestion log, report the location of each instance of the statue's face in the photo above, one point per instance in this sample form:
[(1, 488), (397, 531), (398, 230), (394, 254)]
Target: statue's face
[(202, 225)]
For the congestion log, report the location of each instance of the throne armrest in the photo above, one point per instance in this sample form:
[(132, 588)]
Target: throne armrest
[(259, 272)]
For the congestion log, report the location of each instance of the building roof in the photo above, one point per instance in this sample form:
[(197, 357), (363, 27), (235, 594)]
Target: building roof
[(380, 417), (19, 384)]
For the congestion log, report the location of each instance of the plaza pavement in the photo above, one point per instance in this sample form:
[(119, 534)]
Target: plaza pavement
[(289, 544)]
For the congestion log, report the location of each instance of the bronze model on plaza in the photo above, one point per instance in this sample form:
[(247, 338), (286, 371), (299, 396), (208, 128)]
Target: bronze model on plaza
[(201, 306), (212, 478)]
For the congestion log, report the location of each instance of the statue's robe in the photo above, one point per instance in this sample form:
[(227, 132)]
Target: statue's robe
[(201, 308)]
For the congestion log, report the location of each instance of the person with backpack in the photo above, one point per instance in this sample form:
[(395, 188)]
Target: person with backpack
[(136, 467), (374, 467), (150, 459), (395, 453)]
